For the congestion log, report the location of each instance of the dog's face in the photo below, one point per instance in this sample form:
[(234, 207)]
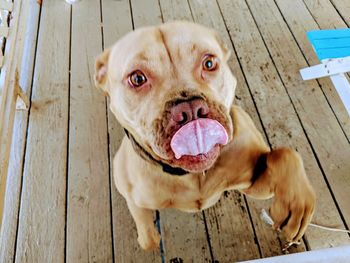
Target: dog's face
[(168, 83)]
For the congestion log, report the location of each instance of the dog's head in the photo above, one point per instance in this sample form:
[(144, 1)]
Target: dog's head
[(171, 88)]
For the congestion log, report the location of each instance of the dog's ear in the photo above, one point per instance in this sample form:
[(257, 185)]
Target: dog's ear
[(224, 48), (101, 69)]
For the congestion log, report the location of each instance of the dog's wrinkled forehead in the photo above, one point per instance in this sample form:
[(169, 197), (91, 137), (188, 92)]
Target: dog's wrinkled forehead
[(169, 44)]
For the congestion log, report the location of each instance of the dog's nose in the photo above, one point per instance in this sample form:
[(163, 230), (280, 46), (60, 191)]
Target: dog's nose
[(189, 110)]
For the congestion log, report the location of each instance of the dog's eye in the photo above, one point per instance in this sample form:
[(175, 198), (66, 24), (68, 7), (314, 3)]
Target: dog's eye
[(137, 79), (210, 63)]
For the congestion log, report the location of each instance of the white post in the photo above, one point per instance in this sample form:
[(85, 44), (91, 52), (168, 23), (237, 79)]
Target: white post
[(342, 86)]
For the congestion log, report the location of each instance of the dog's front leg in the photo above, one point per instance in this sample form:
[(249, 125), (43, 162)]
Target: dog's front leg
[(283, 176), (148, 236)]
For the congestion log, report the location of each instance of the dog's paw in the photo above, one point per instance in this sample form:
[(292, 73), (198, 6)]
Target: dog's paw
[(149, 240), (293, 208)]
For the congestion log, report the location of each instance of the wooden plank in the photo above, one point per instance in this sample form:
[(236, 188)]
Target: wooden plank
[(279, 118), (41, 231), (175, 10), (184, 236), (328, 141), (89, 233), (208, 13), (231, 233), (117, 21), (316, 15), (343, 7), (324, 14), (13, 189), (146, 13)]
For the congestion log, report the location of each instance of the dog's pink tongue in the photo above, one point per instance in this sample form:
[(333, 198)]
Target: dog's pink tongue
[(198, 137)]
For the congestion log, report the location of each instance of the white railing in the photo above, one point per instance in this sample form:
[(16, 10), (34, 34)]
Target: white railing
[(14, 16), (5, 11)]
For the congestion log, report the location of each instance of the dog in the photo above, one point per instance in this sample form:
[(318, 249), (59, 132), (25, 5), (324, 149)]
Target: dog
[(171, 89)]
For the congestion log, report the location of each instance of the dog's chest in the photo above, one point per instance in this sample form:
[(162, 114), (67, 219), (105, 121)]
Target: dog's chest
[(182, 195)]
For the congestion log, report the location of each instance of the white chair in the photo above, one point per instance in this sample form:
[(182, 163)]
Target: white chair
[(332, 47)]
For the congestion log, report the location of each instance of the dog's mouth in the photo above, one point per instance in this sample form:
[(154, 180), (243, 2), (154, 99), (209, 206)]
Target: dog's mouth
[(193, 143), (196, 145), (198, 138), (198, 163)]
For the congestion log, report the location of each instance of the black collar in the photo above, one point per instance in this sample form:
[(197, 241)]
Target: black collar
[(148, 157)]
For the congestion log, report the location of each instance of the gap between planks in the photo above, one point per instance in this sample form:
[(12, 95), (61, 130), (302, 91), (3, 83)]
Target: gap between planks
[(8, 241)]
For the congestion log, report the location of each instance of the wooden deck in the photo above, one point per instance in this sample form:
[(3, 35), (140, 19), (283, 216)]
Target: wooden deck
[(61, 203)]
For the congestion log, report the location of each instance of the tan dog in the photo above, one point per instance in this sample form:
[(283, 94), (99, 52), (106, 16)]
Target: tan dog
[(171, 89)]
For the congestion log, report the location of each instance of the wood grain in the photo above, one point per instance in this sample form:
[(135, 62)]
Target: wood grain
[(300, 21), (42, 214), (343, 7), (117, 21), (280, 119), (14, 182), (173, 10), (329, 142), (89, 233), (325, 14), (208, 13), (269, 47), (146, 13)]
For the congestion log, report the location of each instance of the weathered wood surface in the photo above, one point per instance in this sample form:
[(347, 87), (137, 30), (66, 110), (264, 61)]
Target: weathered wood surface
[(89, 226), (175, 10), (320, 15), (300, 20), (269, 47), (146, 13), (41, 230), (117, 21), (343, 8), (208, 13), (15, 169), (324, 133), (266, 86)]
